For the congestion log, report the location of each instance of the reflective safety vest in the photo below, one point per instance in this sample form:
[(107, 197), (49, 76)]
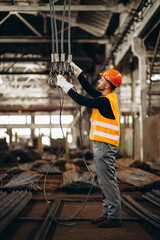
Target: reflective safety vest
[(104, 129)]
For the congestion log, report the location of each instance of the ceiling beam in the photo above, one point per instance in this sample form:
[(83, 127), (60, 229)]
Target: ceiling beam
[(34, 108), (140, 27), (32, 39), (33, 125), (116, 8), (25, 73), (42, 59)]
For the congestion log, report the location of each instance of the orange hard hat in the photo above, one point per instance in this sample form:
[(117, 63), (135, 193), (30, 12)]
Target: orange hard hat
[(113, 76)]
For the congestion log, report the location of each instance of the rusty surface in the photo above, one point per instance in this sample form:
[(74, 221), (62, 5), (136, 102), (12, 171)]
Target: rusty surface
[(26, 225), (137, 177)]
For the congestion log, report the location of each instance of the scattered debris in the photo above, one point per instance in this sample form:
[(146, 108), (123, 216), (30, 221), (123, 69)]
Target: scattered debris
[(24, 181), (20, 155), (138, 177), (3, 144), (50, 169), (79, 161), (124, 162), (37, 163), (17, 169), (71, 167), (73, 182)]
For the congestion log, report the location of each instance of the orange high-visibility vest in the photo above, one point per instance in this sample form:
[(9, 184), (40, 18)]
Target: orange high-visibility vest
[(104, 129)]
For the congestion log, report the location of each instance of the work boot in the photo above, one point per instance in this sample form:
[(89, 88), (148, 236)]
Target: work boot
[(110, 223), (98, 220)]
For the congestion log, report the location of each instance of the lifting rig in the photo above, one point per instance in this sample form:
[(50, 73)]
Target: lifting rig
[(58, 63), (60, 66)]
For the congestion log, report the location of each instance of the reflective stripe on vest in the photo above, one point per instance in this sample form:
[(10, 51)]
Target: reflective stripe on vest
[(102, 134), (106, 125), (104, 129)]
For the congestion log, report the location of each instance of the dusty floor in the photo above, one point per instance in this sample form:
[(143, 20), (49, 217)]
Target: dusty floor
[(26, 225)]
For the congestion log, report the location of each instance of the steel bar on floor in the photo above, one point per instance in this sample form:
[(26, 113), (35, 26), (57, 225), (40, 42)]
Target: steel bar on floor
[(136, 208), (41, 234), (15, 209)]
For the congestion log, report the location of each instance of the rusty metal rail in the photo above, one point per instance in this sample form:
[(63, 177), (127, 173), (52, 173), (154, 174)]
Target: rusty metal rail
[(11, 205), (156, 193), (41, 234), (152, 198), (142, 212)]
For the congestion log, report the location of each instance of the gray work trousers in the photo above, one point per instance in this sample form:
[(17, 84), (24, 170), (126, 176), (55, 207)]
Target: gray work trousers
[(104, 160)]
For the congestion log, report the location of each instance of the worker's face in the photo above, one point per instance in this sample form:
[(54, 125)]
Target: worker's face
[(102, 83)]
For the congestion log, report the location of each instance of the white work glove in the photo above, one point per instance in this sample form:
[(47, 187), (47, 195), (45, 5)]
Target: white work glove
[(76, 69), (61, 82)]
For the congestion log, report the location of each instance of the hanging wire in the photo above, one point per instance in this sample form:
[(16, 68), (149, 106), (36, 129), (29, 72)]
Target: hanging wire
[(61, 97), (56, 219), (62, 28), (53, 14), (52, 27), (84, 204), (69, 28)]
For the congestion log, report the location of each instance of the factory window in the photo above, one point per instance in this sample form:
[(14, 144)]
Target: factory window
[(130, 119), (44, 131), (3, 132), (46, 141), (65, 119), (22, 131), (57, 132), (28, 117), (4, 119), (69, 138), (155, 77), (122, 119), (42, 119), (15, 119)]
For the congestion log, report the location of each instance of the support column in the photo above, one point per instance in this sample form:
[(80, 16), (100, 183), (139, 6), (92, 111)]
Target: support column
[(75, 133), (139, 51), (32, 130), (133, 104)]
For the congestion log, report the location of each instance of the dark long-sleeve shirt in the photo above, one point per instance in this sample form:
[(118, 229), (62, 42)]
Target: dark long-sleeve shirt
[(98, 102)]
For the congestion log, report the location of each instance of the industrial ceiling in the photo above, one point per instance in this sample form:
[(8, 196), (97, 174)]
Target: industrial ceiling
[(25, 46)]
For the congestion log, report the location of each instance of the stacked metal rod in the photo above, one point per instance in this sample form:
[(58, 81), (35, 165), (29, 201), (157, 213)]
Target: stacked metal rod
[(24, 181), (142, 212), (10, 206), (72, 181), (153, 197)]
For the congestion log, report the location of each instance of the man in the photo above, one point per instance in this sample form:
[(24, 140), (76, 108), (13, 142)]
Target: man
[(105, 133)]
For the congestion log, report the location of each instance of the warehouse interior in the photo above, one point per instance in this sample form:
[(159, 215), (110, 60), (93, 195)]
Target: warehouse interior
[(46, 157)]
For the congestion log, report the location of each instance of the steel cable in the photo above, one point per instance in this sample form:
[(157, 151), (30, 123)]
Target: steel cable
[(53, 17), (53, 14), (69, 28), (52, 27), (62, 28)]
